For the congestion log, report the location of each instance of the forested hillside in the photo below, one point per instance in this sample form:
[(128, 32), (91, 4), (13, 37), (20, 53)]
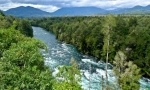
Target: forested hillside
[(19, 24), (128, 34), (22, 63), (121, 40)]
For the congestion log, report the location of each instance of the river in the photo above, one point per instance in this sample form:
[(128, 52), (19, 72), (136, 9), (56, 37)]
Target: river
[(60, 53)]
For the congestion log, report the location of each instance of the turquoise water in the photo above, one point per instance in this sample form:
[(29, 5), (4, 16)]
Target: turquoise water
[(60, 53)]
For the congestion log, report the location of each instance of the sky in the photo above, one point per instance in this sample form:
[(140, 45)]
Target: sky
[(53, 5)]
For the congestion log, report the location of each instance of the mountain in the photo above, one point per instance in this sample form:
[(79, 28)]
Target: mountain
[(134, 10), (84, 11), (75, 11), (26, 12), (78, 11)]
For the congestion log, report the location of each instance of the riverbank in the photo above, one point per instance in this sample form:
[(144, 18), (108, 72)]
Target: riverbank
[(60, 53)]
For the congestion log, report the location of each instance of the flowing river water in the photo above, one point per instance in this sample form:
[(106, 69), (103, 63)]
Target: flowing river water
[(60, 53)]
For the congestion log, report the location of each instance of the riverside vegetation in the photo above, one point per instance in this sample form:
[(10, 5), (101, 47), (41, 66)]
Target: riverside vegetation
[(121, 40), (21, 61), (124, 40)]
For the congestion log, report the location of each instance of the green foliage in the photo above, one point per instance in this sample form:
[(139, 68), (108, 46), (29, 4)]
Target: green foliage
[(127, 73), (21, 63), (24, 27), (1, 13), (130, 78), (120, 60), (68, 77), (81, 31), (128, 33), (4, 22), (7, 37), (18, 24), (109, 24)]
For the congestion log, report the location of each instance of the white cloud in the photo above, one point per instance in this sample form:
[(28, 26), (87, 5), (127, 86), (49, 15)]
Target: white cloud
[(52, 5), (110, 3), (47, 8)]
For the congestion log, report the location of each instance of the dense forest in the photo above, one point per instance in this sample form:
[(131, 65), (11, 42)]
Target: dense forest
[(121, 40), (128, 34), (22, 63)]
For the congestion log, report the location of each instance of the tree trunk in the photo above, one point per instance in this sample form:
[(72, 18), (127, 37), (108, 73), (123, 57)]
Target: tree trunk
[(108, 37)]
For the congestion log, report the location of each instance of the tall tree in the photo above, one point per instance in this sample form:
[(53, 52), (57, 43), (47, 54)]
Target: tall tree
[(109, 24)]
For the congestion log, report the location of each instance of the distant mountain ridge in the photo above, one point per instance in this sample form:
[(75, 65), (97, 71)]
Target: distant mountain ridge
[(26, 12), (75, 11), (135, 10)]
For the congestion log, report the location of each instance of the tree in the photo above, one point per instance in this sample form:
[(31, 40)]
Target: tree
[(127, 73), (109, 24), (119, 62), (68, 77), (1, 13), (24, 27), (89, 35), (21, 63)]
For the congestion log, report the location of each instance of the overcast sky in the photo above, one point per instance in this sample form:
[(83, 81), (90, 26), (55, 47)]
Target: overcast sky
[(53, 5)]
